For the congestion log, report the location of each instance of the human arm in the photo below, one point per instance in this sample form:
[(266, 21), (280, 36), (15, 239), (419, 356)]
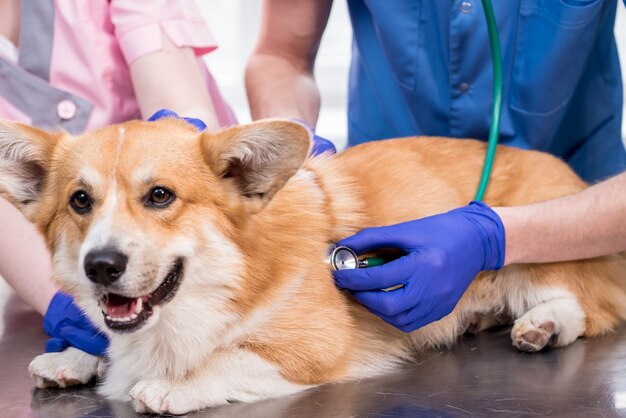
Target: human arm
[(24, 259), (279, 75), (161, 41), (586, 224), (170, 78)]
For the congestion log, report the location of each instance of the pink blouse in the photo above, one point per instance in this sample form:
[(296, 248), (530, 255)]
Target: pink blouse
[(72, 72)]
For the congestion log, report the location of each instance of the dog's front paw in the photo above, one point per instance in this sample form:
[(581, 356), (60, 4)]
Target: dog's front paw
[(159, 396), (67, 368)]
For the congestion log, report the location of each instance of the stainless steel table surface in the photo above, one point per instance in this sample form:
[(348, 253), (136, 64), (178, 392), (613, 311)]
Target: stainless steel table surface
[(482, 376)]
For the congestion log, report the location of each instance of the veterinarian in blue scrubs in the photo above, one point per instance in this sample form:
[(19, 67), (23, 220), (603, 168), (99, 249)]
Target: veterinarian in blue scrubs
[(424, 68)]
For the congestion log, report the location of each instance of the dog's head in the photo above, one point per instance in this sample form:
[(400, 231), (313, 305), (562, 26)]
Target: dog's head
[(134, 213)]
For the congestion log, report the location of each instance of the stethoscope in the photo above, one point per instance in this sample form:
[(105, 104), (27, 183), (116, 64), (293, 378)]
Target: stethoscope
[(344, 258)]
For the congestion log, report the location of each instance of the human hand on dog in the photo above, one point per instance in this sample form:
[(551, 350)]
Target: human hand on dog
[(320, 145), (68, 326), (443, 254), (167, 113)]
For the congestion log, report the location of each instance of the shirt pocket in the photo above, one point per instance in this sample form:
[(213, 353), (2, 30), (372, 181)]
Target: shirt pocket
[(397, 27), (554, 41)]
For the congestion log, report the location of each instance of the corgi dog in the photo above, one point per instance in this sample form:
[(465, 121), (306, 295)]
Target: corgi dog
[(202, 255)]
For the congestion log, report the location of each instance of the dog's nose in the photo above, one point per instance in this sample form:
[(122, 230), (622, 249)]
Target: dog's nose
[(105, 266)]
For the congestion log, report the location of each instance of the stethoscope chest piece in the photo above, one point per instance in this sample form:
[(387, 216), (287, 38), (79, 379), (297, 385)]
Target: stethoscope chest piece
[(343, 258)]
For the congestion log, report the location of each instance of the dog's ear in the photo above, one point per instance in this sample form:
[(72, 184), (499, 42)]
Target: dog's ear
[(258, 158), (25, 154)]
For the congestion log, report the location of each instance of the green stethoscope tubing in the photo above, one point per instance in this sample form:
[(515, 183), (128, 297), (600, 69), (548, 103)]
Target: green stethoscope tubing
[(496, 58)]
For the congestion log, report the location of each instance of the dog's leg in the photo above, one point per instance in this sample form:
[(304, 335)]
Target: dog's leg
[(236, 375), (554, 323), (481, 322), (67, 368)]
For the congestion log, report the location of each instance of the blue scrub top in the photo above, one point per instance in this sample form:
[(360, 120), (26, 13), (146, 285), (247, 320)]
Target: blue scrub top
[(423, 67)]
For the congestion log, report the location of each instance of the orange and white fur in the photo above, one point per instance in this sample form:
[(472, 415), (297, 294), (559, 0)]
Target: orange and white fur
[(256, 313)]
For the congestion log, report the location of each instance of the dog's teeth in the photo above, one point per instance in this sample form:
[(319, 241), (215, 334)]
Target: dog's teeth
[(103, 307), (109, 318), (133, 316), (139, 305)]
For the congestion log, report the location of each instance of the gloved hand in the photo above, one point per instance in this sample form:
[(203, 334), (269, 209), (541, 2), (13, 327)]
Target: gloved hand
[(443, 254), (167, 113), (67, 326), (320, 145)]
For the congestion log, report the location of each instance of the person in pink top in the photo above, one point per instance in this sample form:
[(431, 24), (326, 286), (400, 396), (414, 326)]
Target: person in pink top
[(79, 65)]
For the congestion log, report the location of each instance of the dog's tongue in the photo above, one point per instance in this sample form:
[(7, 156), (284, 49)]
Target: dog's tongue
[(120, 306)]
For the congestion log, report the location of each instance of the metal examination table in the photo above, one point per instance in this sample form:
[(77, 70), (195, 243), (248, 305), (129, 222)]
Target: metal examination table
[(483, 376)]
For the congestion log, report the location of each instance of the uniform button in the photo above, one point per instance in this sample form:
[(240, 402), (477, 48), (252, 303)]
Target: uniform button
[(66, 109), (464, 87), (466, 7)]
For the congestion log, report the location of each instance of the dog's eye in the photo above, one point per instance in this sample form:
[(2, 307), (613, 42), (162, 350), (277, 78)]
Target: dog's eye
[(81, 202), (160, 197)]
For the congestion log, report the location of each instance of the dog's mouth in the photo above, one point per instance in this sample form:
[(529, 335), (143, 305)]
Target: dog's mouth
[(128, 314)]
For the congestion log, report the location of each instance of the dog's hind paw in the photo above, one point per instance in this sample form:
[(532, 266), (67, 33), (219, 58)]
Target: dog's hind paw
[(554, 323), (534, 336), (68, 368)]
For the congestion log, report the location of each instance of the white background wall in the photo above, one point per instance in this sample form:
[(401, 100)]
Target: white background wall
[(235, 25)]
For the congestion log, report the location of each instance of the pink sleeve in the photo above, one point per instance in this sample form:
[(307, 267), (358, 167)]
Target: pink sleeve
[(138, 25)]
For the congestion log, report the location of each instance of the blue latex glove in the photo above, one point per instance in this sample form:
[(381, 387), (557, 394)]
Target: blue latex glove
[(166, 113), (443, 254), (67, 326), (320, 145)]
